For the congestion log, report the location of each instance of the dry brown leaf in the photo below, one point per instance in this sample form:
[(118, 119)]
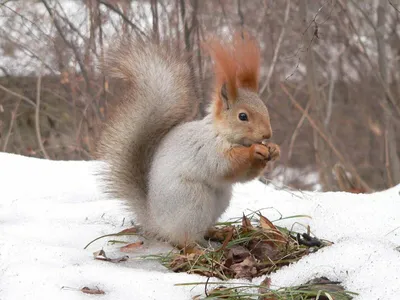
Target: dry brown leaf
[(239, 253), (236, 254), (269, 227), (263, 250), (228, 238), (131, 247), (265, 288), (96, 291), (245, 269), (218, 234), (128, 230), (266, 224), (101, 255), (323, 283), (181, 261), (246, 224), (193, 250)]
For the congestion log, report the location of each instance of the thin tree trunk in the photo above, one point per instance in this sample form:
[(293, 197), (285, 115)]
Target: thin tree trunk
[(392, 160), (323, 153)]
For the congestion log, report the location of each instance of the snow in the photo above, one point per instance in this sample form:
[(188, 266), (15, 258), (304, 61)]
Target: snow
[(49, 210)]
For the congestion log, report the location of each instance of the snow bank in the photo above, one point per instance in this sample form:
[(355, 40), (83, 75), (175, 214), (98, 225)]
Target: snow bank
[(49, 210)]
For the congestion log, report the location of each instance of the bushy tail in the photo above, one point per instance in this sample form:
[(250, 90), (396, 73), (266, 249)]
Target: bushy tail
[(160, 96)]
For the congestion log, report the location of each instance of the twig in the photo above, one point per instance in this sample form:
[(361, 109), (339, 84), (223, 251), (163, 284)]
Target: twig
[(314, 35), (205, 286), (22, 97), (13, 117), (317, 128), (330, 100), (69, 44), (4, 2), (378, 75), (392, 5), (122, 15), (26, 99), (37, 118), (299, 124), (387, 163), (266, 85)]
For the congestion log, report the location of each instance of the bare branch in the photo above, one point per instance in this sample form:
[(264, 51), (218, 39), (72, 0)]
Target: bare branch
[(69, 44), (296, 131), (330, 99), (392, 5), (26, 99), (13, 117), (317, 128), (37, 117), (266, 85), (122, 15)]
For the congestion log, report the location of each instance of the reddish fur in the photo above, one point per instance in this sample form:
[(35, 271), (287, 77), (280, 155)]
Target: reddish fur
[(248, 59), (244, 164), (225, 66), (218, 107), (236, 64)]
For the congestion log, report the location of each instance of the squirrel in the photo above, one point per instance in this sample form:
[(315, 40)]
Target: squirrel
[(176, 171)]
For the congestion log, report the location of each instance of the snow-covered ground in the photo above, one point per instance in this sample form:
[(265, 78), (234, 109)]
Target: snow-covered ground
[(49, 210)]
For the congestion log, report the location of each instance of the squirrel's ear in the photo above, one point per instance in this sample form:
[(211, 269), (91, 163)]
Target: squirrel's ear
[(224, 96), (227, 95)]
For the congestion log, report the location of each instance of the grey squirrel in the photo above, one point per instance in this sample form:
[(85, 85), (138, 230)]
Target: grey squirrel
[(176, 171)]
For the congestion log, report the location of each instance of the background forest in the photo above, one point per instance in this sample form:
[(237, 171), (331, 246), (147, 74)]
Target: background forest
[(330, 77)]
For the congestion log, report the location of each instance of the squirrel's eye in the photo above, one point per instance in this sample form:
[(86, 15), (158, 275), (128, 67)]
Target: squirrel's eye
[(243, 117)]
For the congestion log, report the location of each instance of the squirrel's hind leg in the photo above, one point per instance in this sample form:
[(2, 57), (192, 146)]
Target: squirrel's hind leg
[(182, 212)]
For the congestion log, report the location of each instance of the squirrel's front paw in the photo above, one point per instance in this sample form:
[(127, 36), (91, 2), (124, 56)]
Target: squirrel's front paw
[(273, 151), (267, 152), (260, 152)]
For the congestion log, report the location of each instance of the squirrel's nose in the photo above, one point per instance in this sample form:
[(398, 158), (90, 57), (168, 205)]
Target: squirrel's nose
[(267, 136)]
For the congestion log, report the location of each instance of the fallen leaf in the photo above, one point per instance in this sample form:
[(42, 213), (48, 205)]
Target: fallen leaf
[(218, 234), (131, 247), (263, 250), (236, 254), (228, 238), (323, 283), (266, 224), (271, 228), (87, 290), (101, 255), (245, 269), (181, 261), (246, 224), (265, 286), (193, 250), (128, 230)]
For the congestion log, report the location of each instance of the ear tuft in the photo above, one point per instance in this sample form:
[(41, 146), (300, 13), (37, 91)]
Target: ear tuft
[(225, 66), (236, 65), (247, 53)]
